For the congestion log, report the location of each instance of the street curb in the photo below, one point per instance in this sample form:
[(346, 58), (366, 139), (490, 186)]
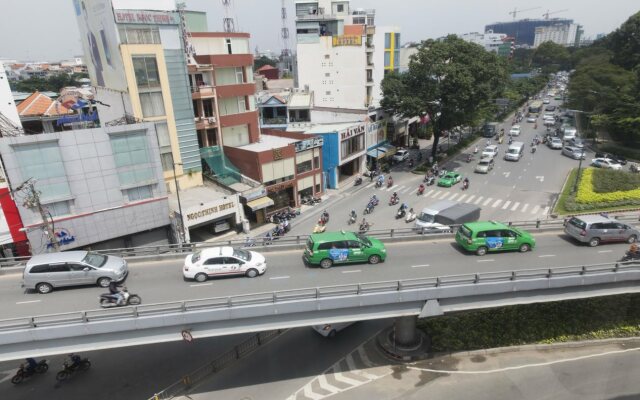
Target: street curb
[(549, 346)]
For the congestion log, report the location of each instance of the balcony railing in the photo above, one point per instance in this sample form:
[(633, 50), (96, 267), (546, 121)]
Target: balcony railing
[(203, 89), (274, 121)]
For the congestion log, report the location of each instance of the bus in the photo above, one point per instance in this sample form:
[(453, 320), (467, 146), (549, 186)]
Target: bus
[(535, 107)]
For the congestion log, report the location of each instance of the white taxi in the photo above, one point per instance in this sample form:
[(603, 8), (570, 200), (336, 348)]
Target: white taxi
[(223, 261)]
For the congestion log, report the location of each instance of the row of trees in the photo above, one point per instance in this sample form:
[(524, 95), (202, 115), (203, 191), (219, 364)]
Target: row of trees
[(53, 83)]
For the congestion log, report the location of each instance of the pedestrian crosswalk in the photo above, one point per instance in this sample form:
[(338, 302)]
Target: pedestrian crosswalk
[(437, 193)]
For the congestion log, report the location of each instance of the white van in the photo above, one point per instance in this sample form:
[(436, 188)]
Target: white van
[(514, 152), (330, 330), (426, 218), (569, 133)]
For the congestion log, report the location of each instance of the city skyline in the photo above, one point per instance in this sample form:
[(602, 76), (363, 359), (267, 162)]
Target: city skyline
[(461, 17)]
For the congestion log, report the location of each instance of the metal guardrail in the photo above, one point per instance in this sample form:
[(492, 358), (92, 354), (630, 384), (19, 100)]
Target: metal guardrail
[(289, 240), (270, 298), (239, 351)]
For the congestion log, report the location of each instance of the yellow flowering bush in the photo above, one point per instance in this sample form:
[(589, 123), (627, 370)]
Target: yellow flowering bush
[(586, 194)]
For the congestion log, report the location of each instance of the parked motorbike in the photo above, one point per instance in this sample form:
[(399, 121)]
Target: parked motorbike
[(24, 372), (108, 300), (533, 149), (69, 368), (358, 181)]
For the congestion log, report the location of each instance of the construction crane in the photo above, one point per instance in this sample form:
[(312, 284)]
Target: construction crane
[(516, 11), (546, 15)]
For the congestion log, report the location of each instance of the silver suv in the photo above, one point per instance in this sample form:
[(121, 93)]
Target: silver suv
[(594, 229), (44, 272)]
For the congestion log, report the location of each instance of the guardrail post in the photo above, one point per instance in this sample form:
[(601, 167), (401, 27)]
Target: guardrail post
[(513, 275), (549, 273), (237, 351), (297, 239), (229, 302), (317, 293), (391, 233), (32, 322), (583, 270), (437, 281), (510, 223), (275, 297), (359, 288), (616, 267), (183, 306), (537, 223), (476, 279), (135, 311), (259, 340), (399, 286), (84, 317)]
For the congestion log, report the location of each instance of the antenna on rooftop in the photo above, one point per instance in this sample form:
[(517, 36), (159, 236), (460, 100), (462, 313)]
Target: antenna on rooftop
[(285, 54), (228, 22)]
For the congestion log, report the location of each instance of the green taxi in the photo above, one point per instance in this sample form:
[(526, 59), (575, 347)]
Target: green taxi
[(491, 236), (449, 179), (329, 248)]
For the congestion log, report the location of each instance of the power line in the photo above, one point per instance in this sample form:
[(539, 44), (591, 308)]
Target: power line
[(32, 200)]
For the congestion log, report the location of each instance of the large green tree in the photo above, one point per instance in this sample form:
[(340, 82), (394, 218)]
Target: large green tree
[(624, 42), (551, 57), (452, 81), (53, 84)]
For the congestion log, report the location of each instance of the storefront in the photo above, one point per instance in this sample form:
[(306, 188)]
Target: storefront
[(378, 148), (343, 151), (255, 203)]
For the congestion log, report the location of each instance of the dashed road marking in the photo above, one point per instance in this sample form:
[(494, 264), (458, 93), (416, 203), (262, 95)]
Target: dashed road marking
[(478, 200), (280, 277), (546, 210), (506, 205), (414, 266), (27, 302), (487, 201), (489, 260), (605, 251), (546, 255), (201, 284), (515, 206), (524, 207), (454, 196), (496, 203), (462, 197), (446, 194), (352, 271)]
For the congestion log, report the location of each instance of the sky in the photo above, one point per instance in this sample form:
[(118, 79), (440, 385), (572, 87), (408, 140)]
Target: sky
[(51, 32)]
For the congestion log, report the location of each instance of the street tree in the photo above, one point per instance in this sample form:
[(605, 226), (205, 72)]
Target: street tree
[(551, 57), (451, 81)]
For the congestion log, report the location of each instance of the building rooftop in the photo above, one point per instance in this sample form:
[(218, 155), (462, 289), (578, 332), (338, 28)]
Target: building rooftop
[(300, 100), (268, 142), (266, 67), (195, 196), (328, 128), (38, 104)]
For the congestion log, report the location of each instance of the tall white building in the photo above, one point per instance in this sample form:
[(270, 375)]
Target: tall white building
[(340, 56), (7, 103), (562, 34), (489, 40)]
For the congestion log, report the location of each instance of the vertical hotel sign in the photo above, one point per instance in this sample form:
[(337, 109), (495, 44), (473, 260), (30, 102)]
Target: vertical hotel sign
[(347, 40)]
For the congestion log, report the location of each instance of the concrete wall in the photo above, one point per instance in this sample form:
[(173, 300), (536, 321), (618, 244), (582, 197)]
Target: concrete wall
[(99, 207)]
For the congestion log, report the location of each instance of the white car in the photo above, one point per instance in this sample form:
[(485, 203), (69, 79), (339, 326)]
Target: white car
[(223, 261), (605, 163), (401, 155), (546, 101), (515, 130), (490, 151), (555, 143), (484, 166), (531, 119), (330, 330)]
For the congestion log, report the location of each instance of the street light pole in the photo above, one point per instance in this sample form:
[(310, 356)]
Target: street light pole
[(575, 184), (175, 181)]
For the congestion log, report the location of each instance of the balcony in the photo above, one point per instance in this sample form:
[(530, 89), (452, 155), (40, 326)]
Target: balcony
[(370, 30), (202, 92), (369, 47), (205, 122), (274, 121)]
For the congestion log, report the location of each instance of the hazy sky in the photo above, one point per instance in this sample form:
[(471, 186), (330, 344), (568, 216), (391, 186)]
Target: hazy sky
[(47, 30)]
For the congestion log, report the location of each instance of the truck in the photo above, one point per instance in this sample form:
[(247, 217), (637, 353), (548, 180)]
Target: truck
[(440, 216), (490, 129)]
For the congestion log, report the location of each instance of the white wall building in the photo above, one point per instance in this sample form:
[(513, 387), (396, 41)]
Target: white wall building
[(7, 103), (489, 40), (562, 34), (336, 54)]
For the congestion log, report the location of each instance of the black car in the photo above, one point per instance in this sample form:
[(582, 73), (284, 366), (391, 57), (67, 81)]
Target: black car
[(619, 159), (550, 108)]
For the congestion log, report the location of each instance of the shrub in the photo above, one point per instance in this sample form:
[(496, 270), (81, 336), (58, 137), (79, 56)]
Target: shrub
[(607, 180), (587, 195)]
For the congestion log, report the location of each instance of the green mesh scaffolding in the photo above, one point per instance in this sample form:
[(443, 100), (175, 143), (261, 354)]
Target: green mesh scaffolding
[(220, 166)]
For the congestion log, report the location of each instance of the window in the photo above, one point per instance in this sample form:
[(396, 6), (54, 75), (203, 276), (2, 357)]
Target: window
[(139, 193), (229, 76), (232, 105), (352, 145), (239, 75), (316, 162), (146, 70), (40, 269), (228, 42), (387, 58), (353, 244), (152, 104), (303, 167), (327, 56), (43, 162), (397, 40), (137, 35), (59, 268), (327, 74), (340, 7), (387, 40), (207, 107), (58, 208), (328, 93), (132, 159)]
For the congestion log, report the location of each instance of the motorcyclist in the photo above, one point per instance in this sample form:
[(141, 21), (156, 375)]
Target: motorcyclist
[(390, 181), (364, 225), (381, 179), (634, 251), (31, 364), (465, 183), (353, 216), (374, 200), (325, 216), (421, 188), (115, 289), (394, 196), (75, 360), (285, 225)]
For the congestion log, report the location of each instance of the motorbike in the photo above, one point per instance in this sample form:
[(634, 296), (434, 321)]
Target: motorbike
[(369, 208), (109, 300), (378, 184), (364, 227), (420, 190), (629, 256), (389, 183), (465, 185), (24, 372), (352, 219), (442, 173), (320, 227), (394, 200), (533, 149), (401, 213), (411, 216), (358, 181), (69, 368), (429, 180), (411, 163), (469, 158)]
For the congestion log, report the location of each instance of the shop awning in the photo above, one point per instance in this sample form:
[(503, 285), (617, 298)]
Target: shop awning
[(377, 153), (388, 149), (262, 202)]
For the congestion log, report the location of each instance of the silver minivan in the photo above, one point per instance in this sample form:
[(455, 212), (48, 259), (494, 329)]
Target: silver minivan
[(44, 272), (596, 229), (514, 152)]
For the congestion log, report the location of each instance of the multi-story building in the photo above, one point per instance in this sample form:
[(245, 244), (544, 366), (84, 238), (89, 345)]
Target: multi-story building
[(136, 56), (562, 34), (489, 40), (524, 30), (286, 110)]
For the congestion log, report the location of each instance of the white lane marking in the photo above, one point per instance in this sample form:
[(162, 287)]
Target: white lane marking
[(515, 206), (27, 302), (524, 207), (487, 201), (454, 196), (489, 260), (392, 188), (546, 255), (308, 393), (605, 251), (535, 209), (540, 178), (506, 205), (324, 385), (406, 189), (413, 266), (513, 187), (351, 364), (280, 277), (496, 203), (370, 185), (428, 193), (517, 367), (352, 271), (462, 197), (446, 194), (546, 210), (470, 199), (436, 194), (478, 200), (506, 174), (341, 378), (520, 177), (201, 284)]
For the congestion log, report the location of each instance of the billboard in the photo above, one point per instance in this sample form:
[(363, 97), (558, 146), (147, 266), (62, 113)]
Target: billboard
[(100, 43)]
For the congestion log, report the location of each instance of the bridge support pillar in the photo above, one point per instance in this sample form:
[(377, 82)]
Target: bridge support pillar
[(403, 341)]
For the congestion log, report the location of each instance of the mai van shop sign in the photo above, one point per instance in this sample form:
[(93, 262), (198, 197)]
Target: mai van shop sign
[(210, 211), (352, 131)]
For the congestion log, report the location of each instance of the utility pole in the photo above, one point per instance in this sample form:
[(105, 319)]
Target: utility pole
[(32, 200)]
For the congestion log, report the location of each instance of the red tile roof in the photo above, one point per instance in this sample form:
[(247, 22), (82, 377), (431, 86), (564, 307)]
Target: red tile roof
[(40, 105), (266, 67)]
